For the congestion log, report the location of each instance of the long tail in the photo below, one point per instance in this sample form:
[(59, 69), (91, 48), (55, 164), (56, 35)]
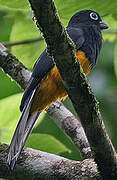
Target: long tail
[(23, 129)]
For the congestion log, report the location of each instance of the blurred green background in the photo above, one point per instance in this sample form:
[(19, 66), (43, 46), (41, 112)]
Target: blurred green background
[(16, 24)]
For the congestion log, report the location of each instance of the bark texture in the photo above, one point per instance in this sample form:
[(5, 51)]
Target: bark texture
[(33, 165)]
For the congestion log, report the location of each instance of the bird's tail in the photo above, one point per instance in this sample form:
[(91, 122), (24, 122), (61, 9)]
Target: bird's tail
[(23, 129)]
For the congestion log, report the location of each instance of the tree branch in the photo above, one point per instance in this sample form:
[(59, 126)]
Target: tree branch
[(71, 127), (84, 102), (34, 164), (15, 43), (13, 67)]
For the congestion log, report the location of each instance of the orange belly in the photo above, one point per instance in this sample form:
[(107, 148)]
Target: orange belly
[(51, 88)]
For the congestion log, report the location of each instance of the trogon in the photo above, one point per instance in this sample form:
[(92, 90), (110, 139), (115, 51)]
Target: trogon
[(45, 85)]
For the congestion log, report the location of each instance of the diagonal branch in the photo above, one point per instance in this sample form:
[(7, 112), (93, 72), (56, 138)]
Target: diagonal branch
[(71, 126), (76, 85), (14, 68)]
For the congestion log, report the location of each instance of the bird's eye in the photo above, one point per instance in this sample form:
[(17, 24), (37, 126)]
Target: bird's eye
[(94, 16)]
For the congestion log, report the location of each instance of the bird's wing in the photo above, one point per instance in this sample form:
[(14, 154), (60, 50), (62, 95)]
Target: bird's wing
[(41, 68), (76, 34)]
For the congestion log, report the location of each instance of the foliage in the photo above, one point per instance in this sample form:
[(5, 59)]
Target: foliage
[(16, 24)]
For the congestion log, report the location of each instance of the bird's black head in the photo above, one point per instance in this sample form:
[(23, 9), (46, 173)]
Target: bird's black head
[(87, 18)]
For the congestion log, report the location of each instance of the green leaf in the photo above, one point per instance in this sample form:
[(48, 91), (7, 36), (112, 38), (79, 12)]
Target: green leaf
[(46, 142), (9, 86), (24, 29), (9, 115), (6, 22), (23, 4), (69, 7)]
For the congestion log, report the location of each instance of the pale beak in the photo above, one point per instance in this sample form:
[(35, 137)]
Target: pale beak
[(103, 25)]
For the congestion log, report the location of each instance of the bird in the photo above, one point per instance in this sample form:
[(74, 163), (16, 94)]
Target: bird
[(45, 84)]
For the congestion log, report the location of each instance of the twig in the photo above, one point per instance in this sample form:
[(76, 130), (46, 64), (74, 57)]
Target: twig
[(84, 102), (15, 43)]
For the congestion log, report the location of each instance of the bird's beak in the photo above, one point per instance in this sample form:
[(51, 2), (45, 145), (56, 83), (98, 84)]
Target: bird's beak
[(103, 25)]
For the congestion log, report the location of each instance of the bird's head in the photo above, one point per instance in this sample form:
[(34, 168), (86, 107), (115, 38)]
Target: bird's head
[(87, 18)]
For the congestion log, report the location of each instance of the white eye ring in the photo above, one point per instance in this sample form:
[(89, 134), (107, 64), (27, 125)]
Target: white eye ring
[(94, 16)]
